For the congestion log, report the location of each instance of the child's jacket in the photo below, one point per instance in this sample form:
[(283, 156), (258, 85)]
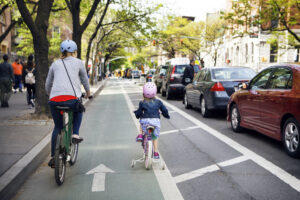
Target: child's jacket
[(150, 109)]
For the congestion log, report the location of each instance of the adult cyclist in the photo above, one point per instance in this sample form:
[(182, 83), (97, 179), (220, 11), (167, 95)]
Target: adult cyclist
[(64, 80)]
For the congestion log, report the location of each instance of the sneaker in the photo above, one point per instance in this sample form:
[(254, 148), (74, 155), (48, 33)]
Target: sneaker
[(51, 163), (76, 139), (156, 155), (139, 138)]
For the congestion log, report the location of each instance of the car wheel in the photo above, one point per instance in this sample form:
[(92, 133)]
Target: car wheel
[(204, 111), (235, 119), (291, 135), (185, 101), (168, 93)]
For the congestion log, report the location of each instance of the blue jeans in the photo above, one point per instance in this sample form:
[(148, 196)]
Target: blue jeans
[(18, 82), (58, 121)]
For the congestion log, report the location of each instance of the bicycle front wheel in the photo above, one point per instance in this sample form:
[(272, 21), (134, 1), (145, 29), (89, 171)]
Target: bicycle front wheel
[(148, 154), (59, 161), (73, 152)]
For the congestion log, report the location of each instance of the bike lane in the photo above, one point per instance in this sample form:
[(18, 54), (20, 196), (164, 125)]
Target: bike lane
[(103, 169)]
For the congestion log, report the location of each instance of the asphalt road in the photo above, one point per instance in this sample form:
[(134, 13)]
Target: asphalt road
[(204, 158)]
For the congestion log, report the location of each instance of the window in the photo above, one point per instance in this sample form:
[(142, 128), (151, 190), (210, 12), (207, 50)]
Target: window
[(260, 81), (281, 79), (273, 52), (179, 69), (233, 74)]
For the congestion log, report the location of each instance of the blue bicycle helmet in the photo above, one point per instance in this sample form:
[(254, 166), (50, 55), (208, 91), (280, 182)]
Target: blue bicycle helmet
[(69, 46)]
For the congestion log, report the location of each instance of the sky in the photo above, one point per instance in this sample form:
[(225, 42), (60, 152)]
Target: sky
[(197, 8)]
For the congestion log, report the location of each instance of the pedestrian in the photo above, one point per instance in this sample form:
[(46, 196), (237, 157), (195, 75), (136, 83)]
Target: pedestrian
[(148, 113), (29, 74), (18, 69), (188, 74), (6, 81), (63, 85)]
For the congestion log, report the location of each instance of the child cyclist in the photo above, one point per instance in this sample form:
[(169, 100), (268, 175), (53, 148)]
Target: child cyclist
[(148, 113)]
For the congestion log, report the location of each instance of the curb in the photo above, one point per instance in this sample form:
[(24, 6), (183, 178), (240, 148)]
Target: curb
[(16, 175)]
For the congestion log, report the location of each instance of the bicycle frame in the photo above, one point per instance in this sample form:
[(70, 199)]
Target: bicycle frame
[(67, 129)]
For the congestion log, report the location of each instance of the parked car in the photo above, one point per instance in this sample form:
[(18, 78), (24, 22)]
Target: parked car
[(135, 74), (270, 105), (172, 81), (212, 87), (158, 76)]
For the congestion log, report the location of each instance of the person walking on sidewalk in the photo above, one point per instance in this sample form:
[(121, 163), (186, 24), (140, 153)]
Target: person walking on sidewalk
[(17, 68), (6, 80), (29, 74), (63, 85)]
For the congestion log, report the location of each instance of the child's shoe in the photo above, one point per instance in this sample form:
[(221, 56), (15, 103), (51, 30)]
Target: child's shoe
[(156, 155), (139, 138)]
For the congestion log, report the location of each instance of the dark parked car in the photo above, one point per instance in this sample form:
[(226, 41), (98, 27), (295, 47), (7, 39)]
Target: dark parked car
[(172, 81), (270, 105), (159, 75), (212, 87)]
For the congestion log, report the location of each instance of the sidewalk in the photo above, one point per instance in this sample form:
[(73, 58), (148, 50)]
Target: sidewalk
[(24, 144)]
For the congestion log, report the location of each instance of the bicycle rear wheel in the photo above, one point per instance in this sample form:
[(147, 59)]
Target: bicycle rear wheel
[(148, 154), (59, 161), (73, 152)]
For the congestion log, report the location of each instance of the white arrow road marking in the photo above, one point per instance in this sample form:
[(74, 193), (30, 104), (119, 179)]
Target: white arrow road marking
[(99, 177)]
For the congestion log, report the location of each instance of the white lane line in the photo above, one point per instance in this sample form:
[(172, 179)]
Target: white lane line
[(167, 132), (269, 166), (208, 169), (172, 111), (177, 130), (164, 178)]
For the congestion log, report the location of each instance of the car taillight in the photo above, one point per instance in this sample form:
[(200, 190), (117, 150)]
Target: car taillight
[(217, 87), (172, 74)]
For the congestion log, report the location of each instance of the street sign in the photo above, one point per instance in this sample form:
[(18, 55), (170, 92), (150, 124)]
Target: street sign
[(99, 177)]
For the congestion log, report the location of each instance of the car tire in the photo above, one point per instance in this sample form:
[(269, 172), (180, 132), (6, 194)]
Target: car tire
[(291, 135), (185, 102), (235, 119), (168, 95), (204, 111)]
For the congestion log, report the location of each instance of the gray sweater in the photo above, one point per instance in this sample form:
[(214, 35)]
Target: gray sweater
[(58, 83), (6, 72)]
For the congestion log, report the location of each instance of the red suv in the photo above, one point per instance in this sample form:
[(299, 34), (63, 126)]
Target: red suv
[(270, 104)]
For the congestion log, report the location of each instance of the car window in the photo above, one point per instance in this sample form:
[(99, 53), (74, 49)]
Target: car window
[(260, 81), (163, 71), (179, 69), (233, 73), (281, 79)]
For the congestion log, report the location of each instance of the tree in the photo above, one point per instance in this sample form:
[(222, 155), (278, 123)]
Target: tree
[(7, 4), (78, 28), (214, 33), (38, 26)]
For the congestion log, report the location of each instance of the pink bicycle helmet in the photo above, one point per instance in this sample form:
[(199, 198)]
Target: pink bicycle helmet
[(149, 90)]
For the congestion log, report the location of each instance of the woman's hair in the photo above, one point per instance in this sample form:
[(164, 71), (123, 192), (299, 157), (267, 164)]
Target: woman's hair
[(66, 54), (30, 63)]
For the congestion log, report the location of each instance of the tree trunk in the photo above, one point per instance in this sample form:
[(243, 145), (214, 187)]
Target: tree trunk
[(41, 48)]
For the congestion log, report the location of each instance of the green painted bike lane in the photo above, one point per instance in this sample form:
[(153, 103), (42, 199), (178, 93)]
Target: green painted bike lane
[(109, 139)]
